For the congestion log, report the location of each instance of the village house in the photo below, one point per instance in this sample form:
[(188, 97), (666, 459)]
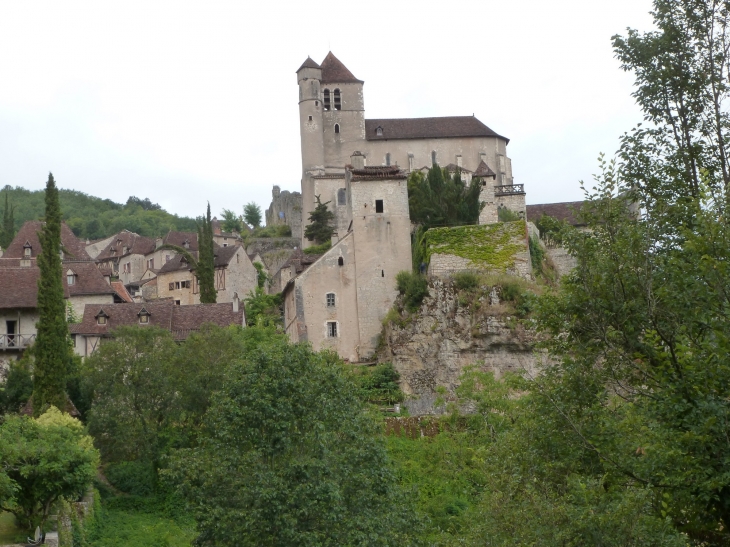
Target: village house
[(125, 254), (225, 239), (99, 322)]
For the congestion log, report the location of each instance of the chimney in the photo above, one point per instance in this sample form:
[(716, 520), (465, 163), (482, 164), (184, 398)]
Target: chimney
[(357, 160), (158, 243)]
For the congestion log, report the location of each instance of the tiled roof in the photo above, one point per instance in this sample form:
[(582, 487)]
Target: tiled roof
[(309, 63), (179, 239), (427, 128), (224, 255), (452, 168), (89, 280), (177, 262), (301, 261), (180, 320), (23, 285), (565, 211), (28, 233), (135, 244), (333, 71), (378, 173), (121, 291), (484, 171)]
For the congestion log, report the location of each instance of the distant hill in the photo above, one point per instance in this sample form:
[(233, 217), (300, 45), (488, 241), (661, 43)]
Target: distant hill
[(94, 218)]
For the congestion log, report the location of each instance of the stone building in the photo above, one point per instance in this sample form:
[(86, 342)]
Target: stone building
[(285, 208), (124, 255)]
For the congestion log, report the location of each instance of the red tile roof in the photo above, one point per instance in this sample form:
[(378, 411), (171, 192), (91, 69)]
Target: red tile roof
[(333, 71), (134, 243), (18, 287), (565, 211), (89, 280), (74, 248), (121, 291), (180, 320), (427, 128)]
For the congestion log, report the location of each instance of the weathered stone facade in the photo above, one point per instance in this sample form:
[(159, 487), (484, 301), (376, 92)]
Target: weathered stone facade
[(286, 209), (445, 337)]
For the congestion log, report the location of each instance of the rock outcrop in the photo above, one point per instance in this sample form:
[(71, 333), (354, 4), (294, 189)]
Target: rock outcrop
[(431, 348)]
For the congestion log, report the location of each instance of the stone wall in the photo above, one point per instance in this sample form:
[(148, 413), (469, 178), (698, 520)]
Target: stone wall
[(433, 348), (286, 208), (561, 259)]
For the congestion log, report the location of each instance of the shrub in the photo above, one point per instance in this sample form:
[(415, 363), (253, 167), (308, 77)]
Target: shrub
[(137, 478), (380, 385), (413, 287), (466, 281), (318, 249), (506, 215)]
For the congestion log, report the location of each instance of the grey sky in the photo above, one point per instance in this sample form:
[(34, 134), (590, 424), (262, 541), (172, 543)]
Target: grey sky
[(184, 102)]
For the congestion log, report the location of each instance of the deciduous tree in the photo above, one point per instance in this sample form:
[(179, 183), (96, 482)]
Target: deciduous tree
[(252, 214)]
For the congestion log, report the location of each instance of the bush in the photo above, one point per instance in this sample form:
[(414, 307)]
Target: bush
[(466, 281), (380, 384), (275, 230), (18, 387), (506, 215), (318, 249), (413, 287), (137, 478)]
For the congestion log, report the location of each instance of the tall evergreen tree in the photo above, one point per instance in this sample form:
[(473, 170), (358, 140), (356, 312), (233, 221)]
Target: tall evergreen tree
[(7, 230), (205, 270), (320, 228), (52, 349)]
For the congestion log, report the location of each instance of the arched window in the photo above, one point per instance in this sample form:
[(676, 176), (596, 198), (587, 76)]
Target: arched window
[(338, 100), (337, 128), (387, 159), (326, 99), (340, 261), (379, 131)]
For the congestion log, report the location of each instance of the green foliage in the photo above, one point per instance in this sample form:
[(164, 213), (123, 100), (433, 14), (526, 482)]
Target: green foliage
[(490, 246), (231, 221), (413, 287), (52, 349), (18, 386), (140, 526), (137, 478), (290, 458), (7, 228), (43, 460), (263, 309), (551, 229), (276, 230), (320, 227), (442, 199), (252, 214), (379, 384), (145, 203), (507, 215), (94, 217), (466, 281), (262, 277), (205, 268), (318, 249), (537, 255)]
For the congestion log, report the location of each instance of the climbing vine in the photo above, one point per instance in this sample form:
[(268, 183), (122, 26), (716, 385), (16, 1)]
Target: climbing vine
[(491, 245)]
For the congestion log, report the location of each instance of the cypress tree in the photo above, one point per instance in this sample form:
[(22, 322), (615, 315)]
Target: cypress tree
[(52, 350), (7, 231), (206, 260)]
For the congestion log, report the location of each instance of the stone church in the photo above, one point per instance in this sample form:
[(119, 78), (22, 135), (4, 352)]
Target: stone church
[(360, 166)]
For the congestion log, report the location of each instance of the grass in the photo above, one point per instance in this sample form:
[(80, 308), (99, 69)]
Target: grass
[(9, 533), (133, 528)]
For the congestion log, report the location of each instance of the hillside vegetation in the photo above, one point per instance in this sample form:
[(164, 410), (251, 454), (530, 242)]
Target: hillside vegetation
[(94, 218)]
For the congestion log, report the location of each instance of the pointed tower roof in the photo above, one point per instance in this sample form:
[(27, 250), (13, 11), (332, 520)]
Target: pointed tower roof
[(333, 71), (309, 63), (484, 171)]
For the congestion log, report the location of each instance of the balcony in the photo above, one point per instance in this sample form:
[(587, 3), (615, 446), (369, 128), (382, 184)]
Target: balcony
[(16, 341), (509, 189)]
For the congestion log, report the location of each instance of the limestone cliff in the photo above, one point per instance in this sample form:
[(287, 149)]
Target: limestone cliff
[(451, 331)]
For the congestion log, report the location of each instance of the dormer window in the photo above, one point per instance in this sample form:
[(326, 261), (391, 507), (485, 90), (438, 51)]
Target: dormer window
[(338, 100), (326, 105), (379, 131), (101, 318), (70, 277), (186, 244), (27, 250), (144, 316), (124, 250)]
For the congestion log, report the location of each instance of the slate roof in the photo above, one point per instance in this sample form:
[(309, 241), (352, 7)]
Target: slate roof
[(427, 128), (135, 244), (378, 173), (562, 211), (483, 170), (309, 63), (180, 320), (28, 233), (333, 71)]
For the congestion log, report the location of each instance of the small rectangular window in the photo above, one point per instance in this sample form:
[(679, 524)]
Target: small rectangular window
[(342, 196), (378, 205), (330, 300), (332, 329), (177, 284), (70, 279), (172, 286)]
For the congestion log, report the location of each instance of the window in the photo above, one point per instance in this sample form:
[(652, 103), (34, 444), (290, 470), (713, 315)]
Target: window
[(387, 159), (382, 273), (340, 261), (177, 284), (433, 157), (167, 258), (127, 268), (332, 329), (458, 160), (316, 103), (338, 100), (379, 131), (342, 196), (186, 244), (27, 251), (378, 205), (330, 300), (185, 284), (326, 99), (310, 118), (70, 279), (410, 162), (171, 286), (177, 302), (337, 128), (101, 320), (151, 263), (144, 316)]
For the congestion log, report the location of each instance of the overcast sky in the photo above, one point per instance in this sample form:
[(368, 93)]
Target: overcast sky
[(184, 102)]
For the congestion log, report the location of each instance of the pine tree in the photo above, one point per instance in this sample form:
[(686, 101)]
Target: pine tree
[(7, 230), (206, 260), (52, 349), (320, 227)]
